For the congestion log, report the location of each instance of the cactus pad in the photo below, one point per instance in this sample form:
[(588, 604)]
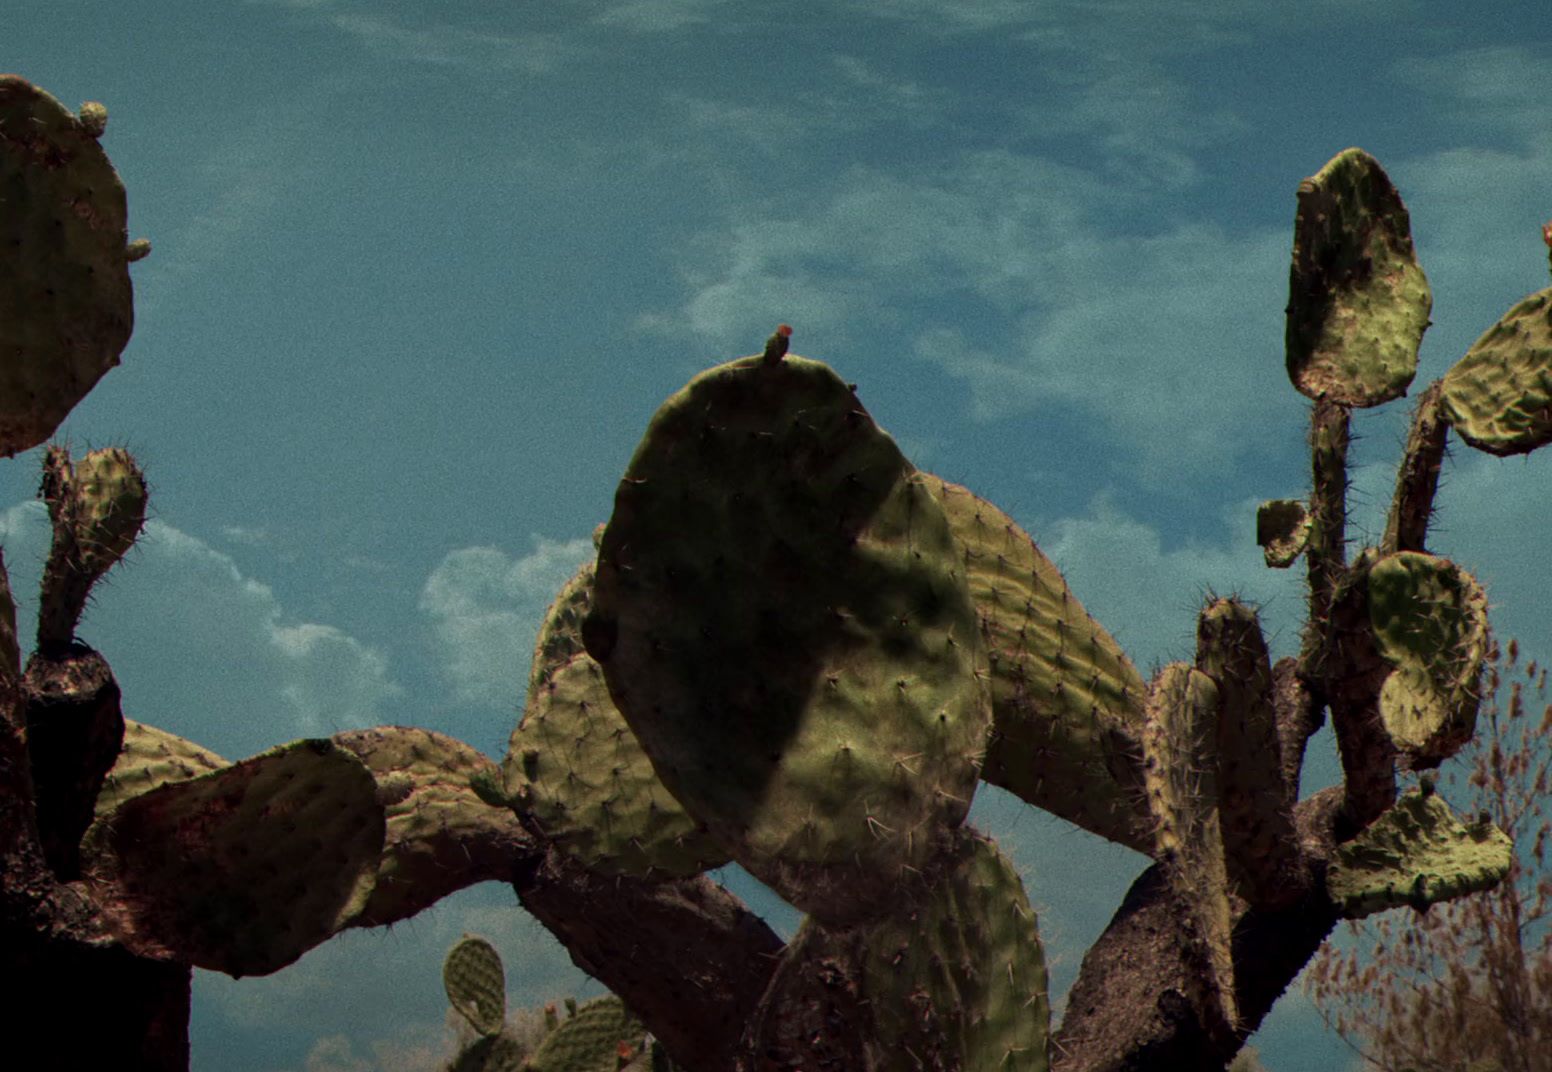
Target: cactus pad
[(1417, 853), (591, 1040), (151, 757), (1358, 300), (66, 309), (1066, 703), (576, 768), (439, 831), (1499, 396), (782, 617), (968, 960), (1430, 623), (476, 984), (1282, 530), (244, 869)]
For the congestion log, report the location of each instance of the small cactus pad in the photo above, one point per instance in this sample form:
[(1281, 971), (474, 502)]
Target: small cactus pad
[(1282, 530), (151, 757), (1499, 396), (576, 768), (1417, 853), (1358, 300), (439, 830), (1253, 808), (1181, 740), (476, 984), (1066, 703), (66, 308), (591, 1040), (968, 961), (1429, 619), (244, 869), (782, 616), (97, 506)]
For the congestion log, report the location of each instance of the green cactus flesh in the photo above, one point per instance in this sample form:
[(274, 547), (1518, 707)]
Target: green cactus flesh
[(1417, 853), (1429, 619), (438, 827), (592, 1040), (1282, 530), (1499, 396), (1253, 807), (151, 757), (476, 984), (1181, 772), (782, 617), (66, 309), (575, 766), (1066, 703), (967, 960), (244, 869), (1358, 300), (97, 506)]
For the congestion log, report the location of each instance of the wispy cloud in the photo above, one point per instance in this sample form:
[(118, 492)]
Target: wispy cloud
[(204, 651), (485, 608)]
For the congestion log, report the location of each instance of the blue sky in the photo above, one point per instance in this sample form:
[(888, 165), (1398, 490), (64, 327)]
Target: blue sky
[(422, 272)]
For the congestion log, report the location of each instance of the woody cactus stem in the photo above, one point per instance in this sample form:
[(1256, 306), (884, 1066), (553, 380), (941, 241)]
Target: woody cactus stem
[(1326, 552), (1418, 478)]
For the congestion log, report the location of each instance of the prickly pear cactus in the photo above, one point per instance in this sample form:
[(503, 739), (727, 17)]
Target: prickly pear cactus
[(1358, 300), (1066, 702), (151, 757), (601, 1037), (576, 769), (66, 310), (782, 617), (1417, 854), (476, 984), (244, 869), (1499, 396)]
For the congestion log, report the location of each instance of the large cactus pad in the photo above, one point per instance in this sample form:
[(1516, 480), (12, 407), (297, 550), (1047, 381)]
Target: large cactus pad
[(782, 616), (66, 309), (1499, 396), (1358, 300)]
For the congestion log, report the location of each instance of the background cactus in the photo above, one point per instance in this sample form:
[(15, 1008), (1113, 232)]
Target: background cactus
[(799, 635)]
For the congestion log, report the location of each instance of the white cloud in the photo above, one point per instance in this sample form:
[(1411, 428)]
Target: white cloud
[(486, 608), (204, 651)]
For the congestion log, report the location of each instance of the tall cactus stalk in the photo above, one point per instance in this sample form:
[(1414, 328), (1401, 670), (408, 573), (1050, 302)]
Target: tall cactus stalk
[(796, 651)]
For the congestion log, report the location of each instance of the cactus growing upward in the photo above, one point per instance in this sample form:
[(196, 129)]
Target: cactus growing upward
[(797, 651)]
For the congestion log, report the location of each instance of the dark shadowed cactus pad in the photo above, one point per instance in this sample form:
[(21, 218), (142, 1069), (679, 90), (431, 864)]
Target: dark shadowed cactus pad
[(66, 308), (782, 616)]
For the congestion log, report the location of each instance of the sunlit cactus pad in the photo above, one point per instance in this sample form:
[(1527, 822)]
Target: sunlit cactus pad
[(1358, 300), (244, 869), (1499, 396), (967, 961), (576, 767), (1066, 702), (1430, 622), (476, 984), (65, 301), (782, 616), (151, 757), (1417, 854)]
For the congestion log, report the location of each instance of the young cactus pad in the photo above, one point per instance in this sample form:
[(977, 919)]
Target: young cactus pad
[(476, 984), (66, 310), (1358, 300), (1499, 396), (244, 869), (782, 616), (1066, 703), (1417, 853), (576, 768)]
